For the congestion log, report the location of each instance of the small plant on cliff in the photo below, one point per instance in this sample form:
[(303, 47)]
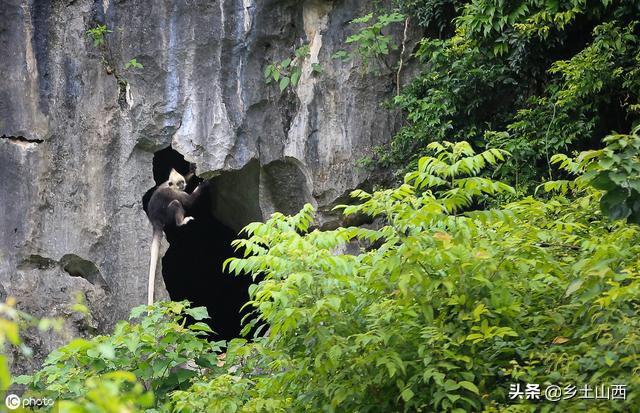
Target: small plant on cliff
[(97, 34), (370, 43), (133, 63), (288, 71)]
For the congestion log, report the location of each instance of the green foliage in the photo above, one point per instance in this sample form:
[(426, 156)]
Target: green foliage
[(97, 34), (505, 25), (614, 169), (445, 302), (134, 64), (438, 312), (531, 77), (113, 392), (589, 84), (605, 64), (289, 71), (454, 172), (430, 14), (618, 174), (442, 307), (12, 321), (234, 390), (458, 81), (370, 43), (160, 351)]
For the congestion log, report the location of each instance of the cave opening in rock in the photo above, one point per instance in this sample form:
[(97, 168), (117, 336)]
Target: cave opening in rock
[(192, 265)]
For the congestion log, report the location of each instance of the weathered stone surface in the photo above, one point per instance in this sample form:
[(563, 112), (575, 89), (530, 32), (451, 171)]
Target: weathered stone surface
[(76, 145)]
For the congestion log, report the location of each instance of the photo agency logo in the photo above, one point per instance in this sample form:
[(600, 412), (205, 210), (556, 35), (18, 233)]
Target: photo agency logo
[(13, 402)]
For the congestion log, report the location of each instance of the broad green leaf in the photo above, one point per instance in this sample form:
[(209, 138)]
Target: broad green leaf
[(198, 313), (469, 386), (284, 82)]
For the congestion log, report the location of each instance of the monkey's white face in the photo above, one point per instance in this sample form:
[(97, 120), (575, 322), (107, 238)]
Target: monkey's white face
[(179, 184), (177, 181)]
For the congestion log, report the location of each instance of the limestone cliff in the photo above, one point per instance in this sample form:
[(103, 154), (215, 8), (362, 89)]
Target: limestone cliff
[(78, 131)]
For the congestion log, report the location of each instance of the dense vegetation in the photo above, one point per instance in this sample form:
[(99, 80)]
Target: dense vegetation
[(503, 258), (440, 310), (533, 77)]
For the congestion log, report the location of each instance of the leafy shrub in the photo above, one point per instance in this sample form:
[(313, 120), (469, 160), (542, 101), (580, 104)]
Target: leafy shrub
[(371, 44), (160, 351), (113, 392), (614, 169), (431, 14), (12, 321), (443, 307), (442, 312), (446, 304), (97, 34), (619, 175), (289, 71), (531, 77)]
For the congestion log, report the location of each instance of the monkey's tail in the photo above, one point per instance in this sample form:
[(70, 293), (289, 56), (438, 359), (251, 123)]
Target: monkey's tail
[(155, 250)]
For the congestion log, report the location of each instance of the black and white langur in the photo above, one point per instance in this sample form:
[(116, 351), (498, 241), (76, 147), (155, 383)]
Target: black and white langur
[(167, 206)]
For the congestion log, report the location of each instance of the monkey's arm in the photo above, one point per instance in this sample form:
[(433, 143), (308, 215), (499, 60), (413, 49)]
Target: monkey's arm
[(176, 210), (192, 172), (189, 199)]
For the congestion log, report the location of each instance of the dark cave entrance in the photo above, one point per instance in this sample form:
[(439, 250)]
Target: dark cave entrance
[(192, 265)]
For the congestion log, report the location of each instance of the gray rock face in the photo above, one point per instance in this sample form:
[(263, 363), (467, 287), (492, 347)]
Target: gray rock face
[(78, 131)]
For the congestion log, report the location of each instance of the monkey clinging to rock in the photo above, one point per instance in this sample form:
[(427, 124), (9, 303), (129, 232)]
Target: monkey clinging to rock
[(167, 206)]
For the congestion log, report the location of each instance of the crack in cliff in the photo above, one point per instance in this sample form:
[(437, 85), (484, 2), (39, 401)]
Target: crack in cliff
[(72, 264), (21, 139), (77, 266)]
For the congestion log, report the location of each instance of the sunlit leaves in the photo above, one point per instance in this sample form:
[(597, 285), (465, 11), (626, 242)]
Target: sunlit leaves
[(152, 351), (447, 170), (428, 310), (111, 392), (619, 176), (433, 307), (97, 34), (614, 170)]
